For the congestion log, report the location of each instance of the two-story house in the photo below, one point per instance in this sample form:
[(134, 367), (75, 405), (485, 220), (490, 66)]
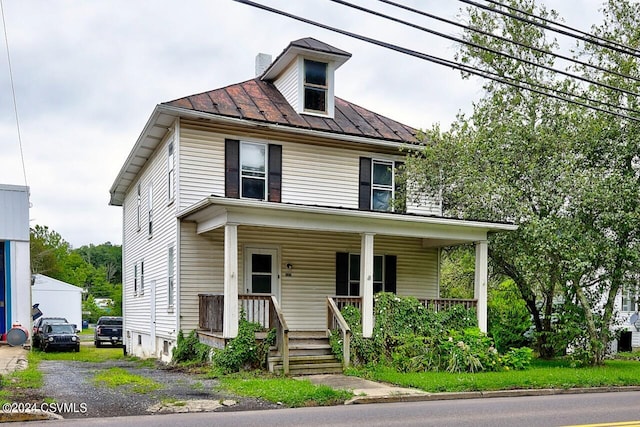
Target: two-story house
[(277, 197)]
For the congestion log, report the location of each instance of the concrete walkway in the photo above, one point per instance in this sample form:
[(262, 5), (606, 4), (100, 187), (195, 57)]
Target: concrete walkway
[(366, 391), (12, 359)]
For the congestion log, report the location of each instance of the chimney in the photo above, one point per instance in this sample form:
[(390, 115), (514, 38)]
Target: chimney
[(263, 60)]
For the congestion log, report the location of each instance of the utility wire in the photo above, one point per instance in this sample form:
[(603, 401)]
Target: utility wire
[(591, 39), (13, 93), (631, 50), (486, 49), (451, 64), (504, 39)]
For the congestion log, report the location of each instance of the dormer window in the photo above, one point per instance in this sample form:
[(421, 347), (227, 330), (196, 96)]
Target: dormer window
[(315, 86)]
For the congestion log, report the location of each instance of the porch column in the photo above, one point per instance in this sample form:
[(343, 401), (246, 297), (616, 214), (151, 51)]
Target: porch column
[(366, 283), (230, 323), (480, 283)]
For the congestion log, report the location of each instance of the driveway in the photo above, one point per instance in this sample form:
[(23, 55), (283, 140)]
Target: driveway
[(71, 383)]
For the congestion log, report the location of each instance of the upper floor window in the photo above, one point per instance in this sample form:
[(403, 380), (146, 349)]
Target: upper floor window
[(139, 205), (170, 172), (150, 208), (382, 188), (253, 170), (315, 86)]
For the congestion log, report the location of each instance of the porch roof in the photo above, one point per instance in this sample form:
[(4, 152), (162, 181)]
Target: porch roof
[(214, 212)]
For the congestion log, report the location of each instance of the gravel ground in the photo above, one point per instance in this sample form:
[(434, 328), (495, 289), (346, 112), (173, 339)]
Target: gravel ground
[(71, 383)]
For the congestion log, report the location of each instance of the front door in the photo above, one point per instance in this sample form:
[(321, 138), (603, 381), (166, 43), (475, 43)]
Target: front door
[(262, 275)]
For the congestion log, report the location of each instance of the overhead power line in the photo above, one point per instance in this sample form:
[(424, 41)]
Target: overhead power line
[(486, 49), (504, 39), (599, 41), (13, 93), (451, 64)]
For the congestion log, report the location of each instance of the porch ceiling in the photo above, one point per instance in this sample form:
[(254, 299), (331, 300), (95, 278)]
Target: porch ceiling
[(215, 212)]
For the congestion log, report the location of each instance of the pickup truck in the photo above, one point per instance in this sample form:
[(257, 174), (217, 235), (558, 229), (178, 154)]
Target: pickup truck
[(108, 330)]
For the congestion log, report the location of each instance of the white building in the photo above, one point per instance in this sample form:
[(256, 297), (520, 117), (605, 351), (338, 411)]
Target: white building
[(57, 299), (15, 269)]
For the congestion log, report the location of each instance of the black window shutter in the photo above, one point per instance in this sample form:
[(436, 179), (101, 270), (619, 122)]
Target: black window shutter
[(364, 193), (232, 168), (401, 188), (342, 273), (275, 173), (390, 268)]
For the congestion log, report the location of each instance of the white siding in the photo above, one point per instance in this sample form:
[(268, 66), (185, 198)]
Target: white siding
[(312, 279), (153, 251), (288, 83), (424, 206), (201, 164), (312, 174), (14, 205), (201, 270)]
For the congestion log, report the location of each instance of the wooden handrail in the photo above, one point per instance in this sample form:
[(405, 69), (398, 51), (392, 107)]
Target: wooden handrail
[(335, 319), (438, 304), (276, 318)]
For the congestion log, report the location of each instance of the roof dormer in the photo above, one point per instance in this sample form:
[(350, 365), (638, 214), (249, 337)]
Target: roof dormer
[(304, 74)]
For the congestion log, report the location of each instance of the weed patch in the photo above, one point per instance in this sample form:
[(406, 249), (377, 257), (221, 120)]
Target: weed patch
[(287, 391), (118, 377)]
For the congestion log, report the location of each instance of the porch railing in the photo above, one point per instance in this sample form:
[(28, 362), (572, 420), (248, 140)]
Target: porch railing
[(282, 333), (341, 302), (257, 309), (336, 321), (263, 309), (211, 312), (439, 304)]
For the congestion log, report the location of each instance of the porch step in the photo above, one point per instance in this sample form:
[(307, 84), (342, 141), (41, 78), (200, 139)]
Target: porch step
[(309, 353)]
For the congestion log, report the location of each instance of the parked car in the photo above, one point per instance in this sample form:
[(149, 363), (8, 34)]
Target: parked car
[(59, 336), (38, 326), (108, 330)]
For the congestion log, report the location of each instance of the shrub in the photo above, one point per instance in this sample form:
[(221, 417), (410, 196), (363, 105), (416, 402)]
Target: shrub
[(518, 358), (190, 349), (411, 338), (244, 351)]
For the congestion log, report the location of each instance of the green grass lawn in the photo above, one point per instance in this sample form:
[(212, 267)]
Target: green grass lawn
[(288, 391), (86, 354), (543, 374)]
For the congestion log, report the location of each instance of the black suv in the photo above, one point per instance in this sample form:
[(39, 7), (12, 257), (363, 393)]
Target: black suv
[(38, 328), (59, 336), (108, 330)]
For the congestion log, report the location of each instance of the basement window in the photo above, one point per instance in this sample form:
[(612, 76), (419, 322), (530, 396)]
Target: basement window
[(315, 86)]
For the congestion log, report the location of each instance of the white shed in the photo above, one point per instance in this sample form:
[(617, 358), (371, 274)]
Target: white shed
[(57, 299)]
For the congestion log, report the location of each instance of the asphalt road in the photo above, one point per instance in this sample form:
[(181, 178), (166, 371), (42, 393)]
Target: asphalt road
[(559, 410)]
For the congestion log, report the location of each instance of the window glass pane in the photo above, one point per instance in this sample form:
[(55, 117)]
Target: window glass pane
[(253, 188), (381, 200), (382, 174), (315, 72), (253, 159), (377, 268), (315, 99), (354, 289), (261, 284), (261, 263), (354, 267)]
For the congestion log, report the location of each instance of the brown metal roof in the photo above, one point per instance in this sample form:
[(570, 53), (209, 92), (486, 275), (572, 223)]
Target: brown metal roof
[(260, 101)]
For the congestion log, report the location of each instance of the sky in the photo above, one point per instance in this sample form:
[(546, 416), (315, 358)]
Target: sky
[(88, 74)]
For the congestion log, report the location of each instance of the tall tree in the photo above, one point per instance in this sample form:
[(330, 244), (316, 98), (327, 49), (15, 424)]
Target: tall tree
[(510, 161)]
